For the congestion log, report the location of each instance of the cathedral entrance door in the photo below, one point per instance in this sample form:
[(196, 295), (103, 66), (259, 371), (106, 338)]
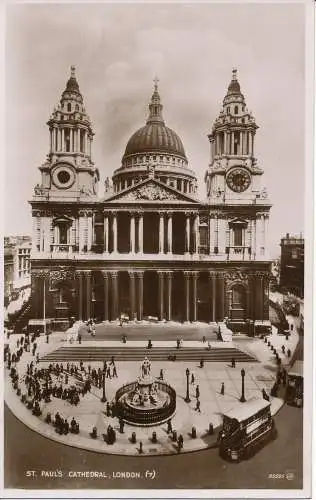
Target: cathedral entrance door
[(151, 294), (238, 303)]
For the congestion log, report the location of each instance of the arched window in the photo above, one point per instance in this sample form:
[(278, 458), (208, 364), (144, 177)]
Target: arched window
[(236, 110), (69, 106), (77, 107), (228, 110)]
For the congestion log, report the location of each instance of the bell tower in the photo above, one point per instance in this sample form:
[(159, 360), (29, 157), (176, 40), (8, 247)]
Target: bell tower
[(233, 174), (69, 171)]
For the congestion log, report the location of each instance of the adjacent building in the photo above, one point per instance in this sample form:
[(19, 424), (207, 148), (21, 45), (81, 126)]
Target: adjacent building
[(292, 264), (17, 266), (149, 246)]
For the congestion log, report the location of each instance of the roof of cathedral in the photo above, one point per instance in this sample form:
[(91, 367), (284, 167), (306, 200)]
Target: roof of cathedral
[(155, 136)]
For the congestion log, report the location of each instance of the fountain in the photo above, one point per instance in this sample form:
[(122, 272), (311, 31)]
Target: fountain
[(146, 401)]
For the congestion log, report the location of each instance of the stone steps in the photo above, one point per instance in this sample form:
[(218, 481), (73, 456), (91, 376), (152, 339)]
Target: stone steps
[(96, 353)]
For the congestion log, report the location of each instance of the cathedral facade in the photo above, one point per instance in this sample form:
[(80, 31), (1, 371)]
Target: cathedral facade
[(149, 247)]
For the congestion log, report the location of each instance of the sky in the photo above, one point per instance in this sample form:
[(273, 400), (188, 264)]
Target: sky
[(118, 49)]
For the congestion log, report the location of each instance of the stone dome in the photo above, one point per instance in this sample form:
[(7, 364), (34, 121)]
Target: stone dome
[(155, 137)]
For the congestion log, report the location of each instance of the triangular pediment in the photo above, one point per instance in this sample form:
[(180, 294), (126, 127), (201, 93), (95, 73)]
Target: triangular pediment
[(151, 190)]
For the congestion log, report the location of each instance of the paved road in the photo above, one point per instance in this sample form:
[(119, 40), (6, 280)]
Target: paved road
[(27, 450)]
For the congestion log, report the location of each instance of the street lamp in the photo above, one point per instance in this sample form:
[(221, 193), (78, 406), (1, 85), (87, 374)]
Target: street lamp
[(103, 399), (243, 373), (187, 398)]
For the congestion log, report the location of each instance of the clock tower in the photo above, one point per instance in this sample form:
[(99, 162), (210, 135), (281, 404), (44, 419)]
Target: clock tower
[(69, 171), (233, 175)]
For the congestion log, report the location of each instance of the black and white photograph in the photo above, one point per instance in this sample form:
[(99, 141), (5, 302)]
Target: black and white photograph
[(158, 207)]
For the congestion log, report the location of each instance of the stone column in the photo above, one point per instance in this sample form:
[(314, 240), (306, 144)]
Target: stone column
[(161, 233), (196, 233), (106, 295), (259, 296), (88, 293), (221, 295), (114, 295), (169, 295), (161, 294), (132, 233), (187, 275), (132, 294), (80, 295), (114, 232), (106, 233), (187, 232), (140, 233), (62, 140), (140, 289), (225, 141), (169, 216), (195, 276), (90, 232), (213, 283)]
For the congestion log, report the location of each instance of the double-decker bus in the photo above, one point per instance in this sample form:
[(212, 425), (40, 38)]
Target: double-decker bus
[(246, 428), (294, 387)]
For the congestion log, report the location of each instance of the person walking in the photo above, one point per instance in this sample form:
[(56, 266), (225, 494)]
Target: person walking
[(198, 406), (114, 374), (223, 389), (192, 378), (233, 363), (169, 426), (197, 392)]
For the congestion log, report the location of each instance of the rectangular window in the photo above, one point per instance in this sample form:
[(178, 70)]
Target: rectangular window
[(63, 240), (238, 237)]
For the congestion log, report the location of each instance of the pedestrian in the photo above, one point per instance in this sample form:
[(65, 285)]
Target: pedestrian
[(114, 374), (283, 349), (223, 389), (233, 363), (178, 344), (289, 353), (161, 374), (79, 338), (108, 372), (169, 426), (204, 339), (198, 406), (121, 425), (201, 363), (149, 345), (192, 378), (180, 443), (197, 392), (265, 395), (37, 358)]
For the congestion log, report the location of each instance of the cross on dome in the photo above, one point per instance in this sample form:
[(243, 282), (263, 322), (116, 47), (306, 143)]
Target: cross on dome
[(73, 71), (156, 81)]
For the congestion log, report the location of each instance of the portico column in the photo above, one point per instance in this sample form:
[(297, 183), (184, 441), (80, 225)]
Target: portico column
[(114, 232), (161, 294), (161, 232), (140, 233), (225, 139), (132, 294), (169, 215), (71, 141), (140, 289), (88, 293), (89, 243), (187, 232), (194, 293), (132, 233), (106, 295), (114, 293), (197, 234), (259, 304), (62, 140), (187, 275), (106, 233), (80, 295), (221, 295), (213, 279), (169, 295)]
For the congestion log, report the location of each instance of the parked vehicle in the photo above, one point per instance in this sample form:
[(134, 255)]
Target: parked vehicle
[(246, 428), (295, 385)]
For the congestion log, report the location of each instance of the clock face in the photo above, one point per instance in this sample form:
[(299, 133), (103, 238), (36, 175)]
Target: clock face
[(238, 180), (63, 176)]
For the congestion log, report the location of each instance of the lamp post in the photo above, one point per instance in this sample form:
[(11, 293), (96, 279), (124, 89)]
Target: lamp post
[(187, 398), (242, 399), (103, 399)]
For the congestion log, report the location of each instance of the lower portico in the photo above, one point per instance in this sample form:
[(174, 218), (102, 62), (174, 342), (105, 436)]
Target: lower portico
[(166, 294)]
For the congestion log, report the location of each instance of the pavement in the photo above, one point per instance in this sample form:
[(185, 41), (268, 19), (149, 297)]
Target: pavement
[(91, 411)]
